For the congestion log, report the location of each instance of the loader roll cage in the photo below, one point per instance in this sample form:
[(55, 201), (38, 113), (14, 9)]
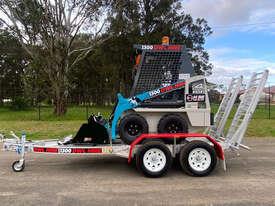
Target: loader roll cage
[(159, 66)]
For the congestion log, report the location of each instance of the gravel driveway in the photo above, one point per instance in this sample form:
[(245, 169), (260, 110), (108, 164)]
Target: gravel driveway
[(94, 180)]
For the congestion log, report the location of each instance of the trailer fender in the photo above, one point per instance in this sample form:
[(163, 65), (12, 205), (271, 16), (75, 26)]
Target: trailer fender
[(217, 146)]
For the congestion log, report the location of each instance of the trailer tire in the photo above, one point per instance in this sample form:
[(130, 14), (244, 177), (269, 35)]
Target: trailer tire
[(16, 167), (198, 158), (132, 126), (153, 159)]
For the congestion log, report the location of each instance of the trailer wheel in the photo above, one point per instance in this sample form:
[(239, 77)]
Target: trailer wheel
[(172, 123), (198, 158), (17, 166), (153, 159), (131, 126)]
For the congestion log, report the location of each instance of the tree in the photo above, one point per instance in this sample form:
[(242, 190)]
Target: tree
[(82, 49), (13, 62), (167, 17), (36, 84), (47, 30), (145, 22)]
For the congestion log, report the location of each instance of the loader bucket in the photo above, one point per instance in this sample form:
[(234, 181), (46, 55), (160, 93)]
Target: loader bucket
[(93, 132)]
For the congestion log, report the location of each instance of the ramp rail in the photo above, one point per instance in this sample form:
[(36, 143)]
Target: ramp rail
[(225, 108), (245, 110)]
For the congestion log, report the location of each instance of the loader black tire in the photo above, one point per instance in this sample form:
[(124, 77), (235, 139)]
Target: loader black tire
[(132, 126), (201, 165), (172, 123)]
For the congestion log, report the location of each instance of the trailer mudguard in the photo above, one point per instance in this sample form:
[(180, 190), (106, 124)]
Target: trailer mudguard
[(217, 146)]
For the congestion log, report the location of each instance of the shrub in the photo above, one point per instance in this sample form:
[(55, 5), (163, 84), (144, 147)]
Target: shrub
[(20, 103)]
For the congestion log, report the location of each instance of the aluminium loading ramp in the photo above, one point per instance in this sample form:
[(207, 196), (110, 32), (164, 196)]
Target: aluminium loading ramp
[(243, 115), (225, 108)]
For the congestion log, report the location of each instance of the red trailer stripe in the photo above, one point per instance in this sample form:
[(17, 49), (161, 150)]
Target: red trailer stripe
[(78, 150), (64, 150), (38, 149), (52, 150), (95, 150)]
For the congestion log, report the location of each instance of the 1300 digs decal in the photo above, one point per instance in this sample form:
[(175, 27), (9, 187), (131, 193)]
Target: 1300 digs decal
[(166, 89), (195, 97)]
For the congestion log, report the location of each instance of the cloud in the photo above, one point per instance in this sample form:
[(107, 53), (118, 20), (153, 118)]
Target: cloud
[(226, 67), (225, 51), (225, 13), (231, 15)]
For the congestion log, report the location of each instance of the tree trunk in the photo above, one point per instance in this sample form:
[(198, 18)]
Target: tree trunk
[(59, 86), (60, 107), (60, 97)]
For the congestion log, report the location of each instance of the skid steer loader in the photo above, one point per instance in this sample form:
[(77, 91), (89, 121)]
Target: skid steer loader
[(166, 97)]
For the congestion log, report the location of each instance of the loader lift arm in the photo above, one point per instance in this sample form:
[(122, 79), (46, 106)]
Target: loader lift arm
[(125, 104)]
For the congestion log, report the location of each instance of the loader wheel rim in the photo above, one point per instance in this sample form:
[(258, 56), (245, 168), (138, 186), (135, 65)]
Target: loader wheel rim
[(173, 127), (154, 160), (133, 129), (199, 159)]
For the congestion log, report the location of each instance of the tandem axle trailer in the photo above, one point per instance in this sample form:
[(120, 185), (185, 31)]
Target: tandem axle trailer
[(152, 156), (197, 153)]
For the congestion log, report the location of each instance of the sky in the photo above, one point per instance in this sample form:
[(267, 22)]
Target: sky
[(243, 39)]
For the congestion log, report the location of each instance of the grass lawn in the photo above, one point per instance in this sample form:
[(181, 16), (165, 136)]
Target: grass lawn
[(51, 126)]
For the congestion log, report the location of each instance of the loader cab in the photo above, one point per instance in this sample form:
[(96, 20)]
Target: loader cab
[(159, 66)]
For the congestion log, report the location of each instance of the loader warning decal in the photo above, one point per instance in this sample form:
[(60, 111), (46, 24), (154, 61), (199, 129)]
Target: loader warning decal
[(195, 97)]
